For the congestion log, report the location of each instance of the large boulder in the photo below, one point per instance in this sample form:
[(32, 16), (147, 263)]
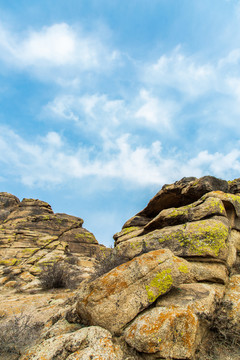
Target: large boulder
[(172, 329), (166, 332), (115, 298), (8, 203)]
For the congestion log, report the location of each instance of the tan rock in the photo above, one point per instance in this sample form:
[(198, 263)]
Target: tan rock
[(115, 298), (128, 233), (211, 272), (8, 203), (205, 238), (235, 235), (232, 296), (32, 235), (232, 205), (84, 344), (166, 332), (200, 298)]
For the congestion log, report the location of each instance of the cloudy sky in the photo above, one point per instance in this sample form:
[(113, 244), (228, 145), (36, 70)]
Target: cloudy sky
[(104, 101)]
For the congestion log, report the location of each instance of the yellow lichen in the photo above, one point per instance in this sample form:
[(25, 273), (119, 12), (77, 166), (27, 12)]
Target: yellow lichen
[(183, 268), (159, 285)]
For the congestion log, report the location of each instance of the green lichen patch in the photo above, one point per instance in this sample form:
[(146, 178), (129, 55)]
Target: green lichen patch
[(126, 231), (43, 241), (10, 262), (29, 251), (85, 237), (201, 238), (232, 198), (159, 285)]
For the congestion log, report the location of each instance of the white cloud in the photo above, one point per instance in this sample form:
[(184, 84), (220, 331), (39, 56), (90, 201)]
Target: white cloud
[(60, 48), (180, 72), (92, 113), (55, 45), (232, 58), (155, 111), (49, 161), (100, 114)]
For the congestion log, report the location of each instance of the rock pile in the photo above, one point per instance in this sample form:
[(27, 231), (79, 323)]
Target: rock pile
[(183, 260), (183, 247)]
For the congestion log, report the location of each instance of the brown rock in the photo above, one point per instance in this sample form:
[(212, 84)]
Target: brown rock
[(196, 211), (181, 193), (8, 203), (234, 186)]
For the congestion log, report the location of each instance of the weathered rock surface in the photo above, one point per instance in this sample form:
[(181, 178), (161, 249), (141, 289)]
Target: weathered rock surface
[(32, 235), (181, 263), (116, 298), (84, 344), (232, 296), (171, 333), (181, 193), (198, 220)]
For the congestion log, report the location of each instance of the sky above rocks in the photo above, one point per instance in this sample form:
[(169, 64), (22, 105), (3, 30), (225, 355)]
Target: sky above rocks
[(102, 102)]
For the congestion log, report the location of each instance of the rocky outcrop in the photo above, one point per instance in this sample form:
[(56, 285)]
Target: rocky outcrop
[(31, 235), (198, 220), (181, 265)]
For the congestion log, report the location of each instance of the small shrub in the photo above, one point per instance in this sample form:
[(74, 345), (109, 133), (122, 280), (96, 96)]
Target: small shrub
[(72, 260), (7, 270), (17, 333), (236, 268), (58, 275), (107, 262), (224, 333)]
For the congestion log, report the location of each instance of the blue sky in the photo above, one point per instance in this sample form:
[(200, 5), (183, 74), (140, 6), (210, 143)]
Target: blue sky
[(102, 102)]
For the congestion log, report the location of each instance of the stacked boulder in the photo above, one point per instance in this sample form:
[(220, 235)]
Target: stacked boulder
[(182, 250), (31, 235)]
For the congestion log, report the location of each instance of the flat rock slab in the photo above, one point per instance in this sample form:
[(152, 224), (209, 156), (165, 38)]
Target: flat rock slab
[(203, 208), (200, 298), (114, 299), (205, 238)]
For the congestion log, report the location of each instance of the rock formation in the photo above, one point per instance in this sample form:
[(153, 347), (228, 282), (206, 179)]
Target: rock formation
[(31, 235), (180, 274)]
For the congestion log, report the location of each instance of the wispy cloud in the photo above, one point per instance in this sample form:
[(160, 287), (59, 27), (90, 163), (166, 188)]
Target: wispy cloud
[(180, 72), (155, 111), (51, 160)]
